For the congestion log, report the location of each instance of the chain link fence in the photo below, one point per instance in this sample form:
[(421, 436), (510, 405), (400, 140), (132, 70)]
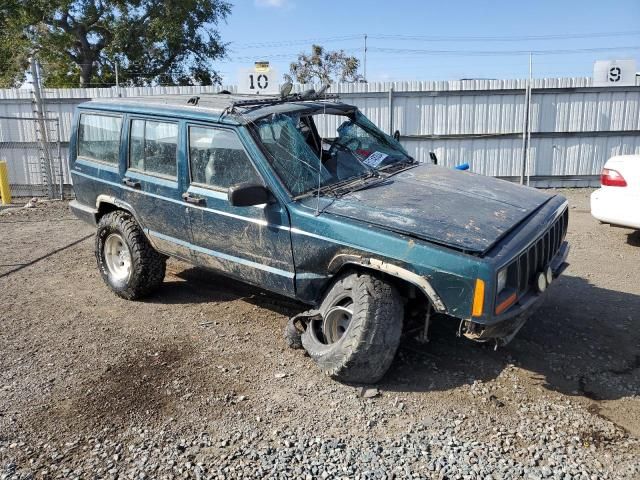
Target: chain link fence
[(32, 148)]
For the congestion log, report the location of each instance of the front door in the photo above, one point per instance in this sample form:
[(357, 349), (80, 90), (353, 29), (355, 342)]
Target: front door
[(253, 243), (154, 184)]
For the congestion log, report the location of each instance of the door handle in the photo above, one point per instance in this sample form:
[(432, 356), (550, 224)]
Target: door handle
[(131, 183), (195, 200)]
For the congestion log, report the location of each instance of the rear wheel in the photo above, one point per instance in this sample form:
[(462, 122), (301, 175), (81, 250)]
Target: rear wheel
[(358, 334), (126, 260)]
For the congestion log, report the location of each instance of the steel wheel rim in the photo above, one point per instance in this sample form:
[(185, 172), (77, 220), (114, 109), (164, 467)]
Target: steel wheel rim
[(337, 319), (117, 257)]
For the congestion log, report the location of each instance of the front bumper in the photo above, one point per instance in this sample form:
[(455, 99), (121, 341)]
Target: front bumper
[(504, 327)]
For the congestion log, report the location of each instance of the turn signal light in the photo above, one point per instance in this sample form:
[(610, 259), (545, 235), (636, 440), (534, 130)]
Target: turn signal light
[(478, 299), (612, 178)]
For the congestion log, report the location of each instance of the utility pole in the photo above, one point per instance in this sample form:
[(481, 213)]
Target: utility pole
[(365, 57)]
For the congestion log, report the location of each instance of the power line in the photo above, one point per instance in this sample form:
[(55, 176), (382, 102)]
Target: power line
[(464, 53), (435, 38), (517, 38), (288, 43), (290, 56), (471, 53), (391, 50)]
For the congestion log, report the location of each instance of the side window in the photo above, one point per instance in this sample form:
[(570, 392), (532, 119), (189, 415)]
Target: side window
[(99, 137), (153, 147), (218, 159)]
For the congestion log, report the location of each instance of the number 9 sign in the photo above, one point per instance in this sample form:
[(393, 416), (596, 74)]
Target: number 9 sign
[(614, 73), (259, 80)]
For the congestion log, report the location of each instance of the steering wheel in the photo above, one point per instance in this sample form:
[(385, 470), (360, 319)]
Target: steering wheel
[(338, 145)]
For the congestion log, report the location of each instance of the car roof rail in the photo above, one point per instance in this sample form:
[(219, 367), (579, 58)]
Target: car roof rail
[(296, 97)]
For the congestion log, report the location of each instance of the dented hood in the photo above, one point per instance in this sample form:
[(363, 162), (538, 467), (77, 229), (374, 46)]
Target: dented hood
[(454, 208)]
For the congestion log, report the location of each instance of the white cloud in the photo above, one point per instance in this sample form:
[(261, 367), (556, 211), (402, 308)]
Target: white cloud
[(272, 3)]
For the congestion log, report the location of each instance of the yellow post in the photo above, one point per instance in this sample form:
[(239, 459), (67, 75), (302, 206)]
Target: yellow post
[(5, 191)]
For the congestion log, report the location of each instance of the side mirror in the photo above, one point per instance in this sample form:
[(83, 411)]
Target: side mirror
[(396, 135), (248, 194)]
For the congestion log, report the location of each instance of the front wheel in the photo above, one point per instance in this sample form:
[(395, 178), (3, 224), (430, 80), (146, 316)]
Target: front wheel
[(126, 260), (358, 334)]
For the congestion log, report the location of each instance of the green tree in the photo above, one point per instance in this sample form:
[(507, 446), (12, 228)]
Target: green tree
[(14, 44), (324, 67), (153, 41)]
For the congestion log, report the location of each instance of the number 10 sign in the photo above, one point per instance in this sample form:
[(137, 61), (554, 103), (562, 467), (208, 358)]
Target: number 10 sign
[(259, 80)]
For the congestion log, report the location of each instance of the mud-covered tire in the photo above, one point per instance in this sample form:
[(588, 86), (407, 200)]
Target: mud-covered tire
[(147, 266), (366, 349), (296, 326), (292, 335)]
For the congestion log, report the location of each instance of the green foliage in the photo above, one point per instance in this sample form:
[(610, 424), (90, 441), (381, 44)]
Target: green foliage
[(14, 44), (324, 67), (79, 42)]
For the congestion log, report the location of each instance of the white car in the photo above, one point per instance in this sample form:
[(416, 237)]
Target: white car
[(617, 201)]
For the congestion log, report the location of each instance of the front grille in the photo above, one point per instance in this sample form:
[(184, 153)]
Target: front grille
[(538, 256)]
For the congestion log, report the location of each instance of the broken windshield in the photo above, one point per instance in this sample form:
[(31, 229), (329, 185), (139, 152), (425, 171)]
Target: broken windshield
[(314, 151)]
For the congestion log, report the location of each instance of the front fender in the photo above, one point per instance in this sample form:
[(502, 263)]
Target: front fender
[(339, 261)]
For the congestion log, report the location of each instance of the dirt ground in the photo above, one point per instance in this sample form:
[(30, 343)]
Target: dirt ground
[(205, 353)]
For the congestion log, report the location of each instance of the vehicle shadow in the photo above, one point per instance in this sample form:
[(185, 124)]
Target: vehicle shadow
[(198, 285), (582, 341), (633, 238)]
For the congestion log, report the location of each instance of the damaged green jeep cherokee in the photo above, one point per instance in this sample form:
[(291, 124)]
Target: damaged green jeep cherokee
[(305, 197)]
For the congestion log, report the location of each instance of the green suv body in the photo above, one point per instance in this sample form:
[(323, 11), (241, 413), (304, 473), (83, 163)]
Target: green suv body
[(305, 197)]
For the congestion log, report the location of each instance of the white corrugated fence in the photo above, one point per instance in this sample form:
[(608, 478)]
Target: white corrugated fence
[(575, 127)]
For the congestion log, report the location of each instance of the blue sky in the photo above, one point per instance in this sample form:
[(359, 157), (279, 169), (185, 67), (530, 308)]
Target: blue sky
[(276, 30)]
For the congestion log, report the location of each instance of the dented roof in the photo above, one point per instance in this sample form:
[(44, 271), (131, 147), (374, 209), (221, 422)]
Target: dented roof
[(219, 105)]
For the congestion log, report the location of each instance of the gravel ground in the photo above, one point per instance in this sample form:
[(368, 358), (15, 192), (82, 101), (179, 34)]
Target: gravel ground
[(196, 381)]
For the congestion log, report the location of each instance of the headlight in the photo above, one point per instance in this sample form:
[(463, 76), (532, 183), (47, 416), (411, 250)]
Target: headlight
[(502, 280)]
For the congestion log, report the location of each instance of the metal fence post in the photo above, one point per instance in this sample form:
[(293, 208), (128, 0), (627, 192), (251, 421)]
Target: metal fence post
[(42, 124), (529, 109), (61, 170), (391, 110), (525, 129)]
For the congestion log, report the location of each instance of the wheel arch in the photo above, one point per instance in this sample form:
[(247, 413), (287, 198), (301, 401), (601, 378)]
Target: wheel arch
[(343, 262), (107, 204)]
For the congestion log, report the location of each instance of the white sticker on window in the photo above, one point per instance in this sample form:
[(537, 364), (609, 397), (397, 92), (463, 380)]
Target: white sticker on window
[(375, 159)]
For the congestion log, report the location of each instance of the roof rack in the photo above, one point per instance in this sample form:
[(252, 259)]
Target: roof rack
[(296, 97)]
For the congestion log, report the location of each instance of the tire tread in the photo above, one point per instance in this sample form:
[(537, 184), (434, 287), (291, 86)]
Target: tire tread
[(148, 265), (367, 350)]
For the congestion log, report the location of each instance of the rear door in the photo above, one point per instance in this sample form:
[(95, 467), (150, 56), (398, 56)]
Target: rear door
[(250, 243), (154, 181)]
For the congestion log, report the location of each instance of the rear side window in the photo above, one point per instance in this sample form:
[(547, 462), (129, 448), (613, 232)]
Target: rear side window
[(218, 159), (153, 147), (99, 137)]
